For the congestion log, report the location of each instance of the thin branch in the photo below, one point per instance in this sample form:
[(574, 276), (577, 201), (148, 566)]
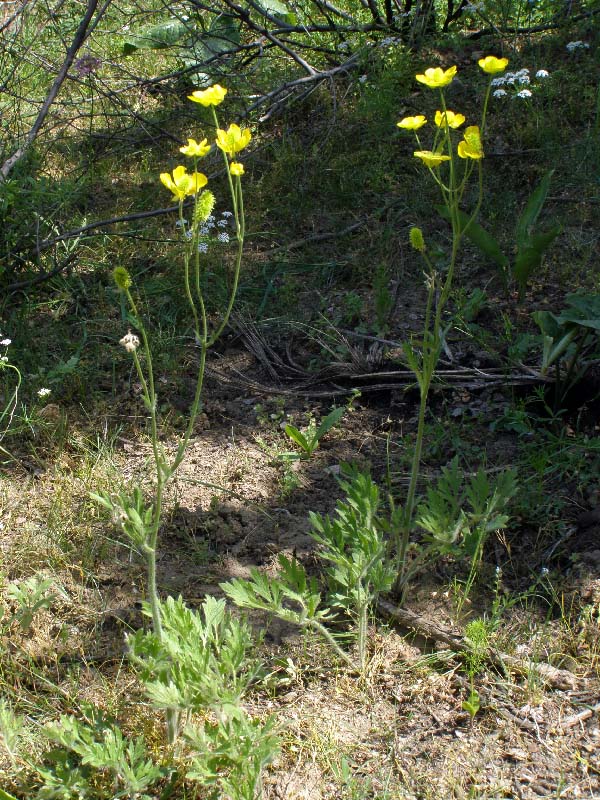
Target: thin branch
[(78, 40)]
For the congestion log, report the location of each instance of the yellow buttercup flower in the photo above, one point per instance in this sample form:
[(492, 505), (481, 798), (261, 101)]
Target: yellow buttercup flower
[(412, 123), (429, 158), (471, 146), (436, 77), (182, 183), (236, 168), (209, 97), (195, 149), (448, 118), (233, 139), (493, 65)]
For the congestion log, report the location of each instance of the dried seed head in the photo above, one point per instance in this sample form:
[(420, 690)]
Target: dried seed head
[(130, 342)]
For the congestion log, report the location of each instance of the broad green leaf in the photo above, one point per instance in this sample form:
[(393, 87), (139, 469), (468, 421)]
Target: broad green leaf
[(479, 236), (329, 422), (532, 210), (157, 37), (529, 257), (547, 323), (584, 311), (102, 500), (298, 437), (278, 10)]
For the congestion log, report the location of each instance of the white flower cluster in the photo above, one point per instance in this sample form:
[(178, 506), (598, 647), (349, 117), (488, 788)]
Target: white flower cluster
[(514, 81), (4, 343), (578, 45), (390, 40), (206, 229)]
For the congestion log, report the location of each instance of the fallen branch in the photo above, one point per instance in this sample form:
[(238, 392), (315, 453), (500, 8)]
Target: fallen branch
[(570, 722), (554, 677)]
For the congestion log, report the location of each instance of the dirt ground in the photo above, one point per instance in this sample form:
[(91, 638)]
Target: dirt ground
[(237, 504)]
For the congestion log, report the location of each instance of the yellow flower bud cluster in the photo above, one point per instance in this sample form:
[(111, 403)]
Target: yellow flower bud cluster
[(183, 184), (471, 145)]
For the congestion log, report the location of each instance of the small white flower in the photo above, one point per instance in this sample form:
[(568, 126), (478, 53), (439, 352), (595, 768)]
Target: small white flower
[(343, 46), (5, 342), (43, 392), (499, 93), (210, 220), (499, 81), (130, 342), (188, 235), (362, 79), (204, 230), (227, 213), (222, 223), (181, 223), (544, 571), (223, 237), (542, 73), (523, 80), (203, 247), (3, 359), (524, 93), (578, 45)]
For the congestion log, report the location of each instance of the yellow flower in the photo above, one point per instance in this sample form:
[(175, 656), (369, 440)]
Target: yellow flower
[(448, 118), (429, 158), (412, 123), (209, 97), (182, 183), (471, 146), (233, 139), (493, 65), (236, 168), (195, 149), (436, 77)]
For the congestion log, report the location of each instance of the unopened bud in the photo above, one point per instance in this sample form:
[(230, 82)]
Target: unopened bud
[(122, 278), (204, 207), (416, 239)]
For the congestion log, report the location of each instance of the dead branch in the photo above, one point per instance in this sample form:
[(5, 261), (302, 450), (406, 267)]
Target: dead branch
[(557, 678)]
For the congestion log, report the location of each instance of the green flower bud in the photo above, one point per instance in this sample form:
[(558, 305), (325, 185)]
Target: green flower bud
[(122, 278), (417, 240), (204, 207)]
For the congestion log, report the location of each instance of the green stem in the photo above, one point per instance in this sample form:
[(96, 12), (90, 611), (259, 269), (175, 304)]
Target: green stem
[(186, 266), (312, 623)]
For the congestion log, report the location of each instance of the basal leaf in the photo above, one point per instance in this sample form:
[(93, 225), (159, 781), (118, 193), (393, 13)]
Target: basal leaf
[(479, 236), (529, 257), (532, 210)]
